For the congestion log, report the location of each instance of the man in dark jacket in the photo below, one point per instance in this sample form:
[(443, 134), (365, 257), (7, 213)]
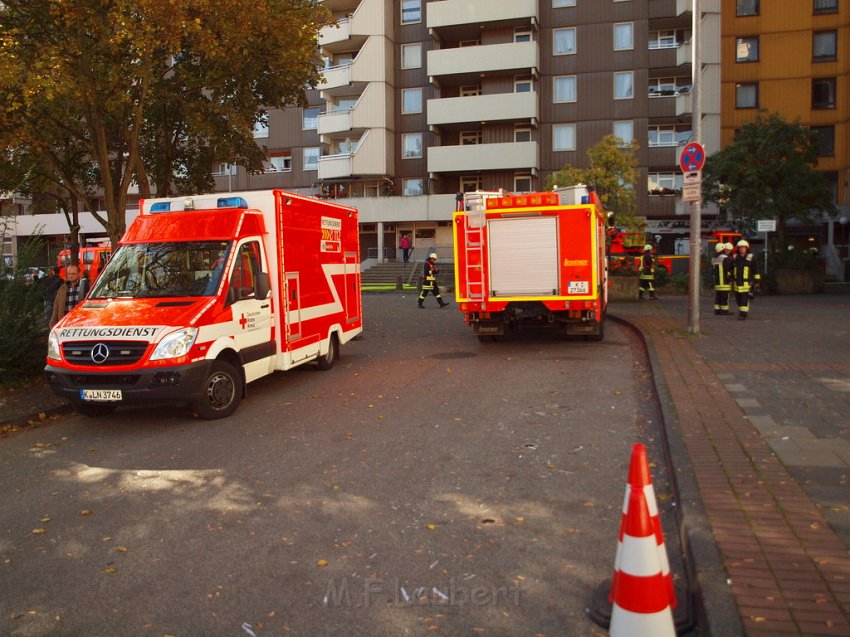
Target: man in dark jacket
[(429, 281), (745, 277), (646, 274), (69, 295)]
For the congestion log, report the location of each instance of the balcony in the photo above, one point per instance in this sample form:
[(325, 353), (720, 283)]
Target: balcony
[(660, 9), (482, 108), (492, 13), (353, 26), (474, 157), (665, 107), (669, 60), (372, 157), (491, 59), (369, 112), (370, 65)]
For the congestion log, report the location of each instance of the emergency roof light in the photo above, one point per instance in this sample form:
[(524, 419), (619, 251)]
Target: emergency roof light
[(524, 201), (231, 202), (161, 206)]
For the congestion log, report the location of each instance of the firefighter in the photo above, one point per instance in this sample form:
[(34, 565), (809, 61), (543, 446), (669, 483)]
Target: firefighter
[(429, 281), (721, 269), (646, 273), (745, 278)]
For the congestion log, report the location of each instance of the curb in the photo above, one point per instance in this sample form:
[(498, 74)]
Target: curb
[(26, 419), (714, 606)]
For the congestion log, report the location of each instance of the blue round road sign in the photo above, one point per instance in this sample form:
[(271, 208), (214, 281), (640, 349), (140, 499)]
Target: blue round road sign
[(692, 158)]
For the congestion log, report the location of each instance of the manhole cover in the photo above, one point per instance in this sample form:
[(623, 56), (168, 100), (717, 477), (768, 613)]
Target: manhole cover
[(447, 355)]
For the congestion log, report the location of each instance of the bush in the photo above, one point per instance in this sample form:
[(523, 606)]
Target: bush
[(23, 332)]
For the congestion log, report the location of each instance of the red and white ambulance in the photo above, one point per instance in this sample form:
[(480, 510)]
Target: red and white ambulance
[(206, 294), (528, 258)]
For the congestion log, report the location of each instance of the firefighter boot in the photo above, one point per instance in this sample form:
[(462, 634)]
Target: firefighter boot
[(652, 296), (640, 294), (442, 303), (419, 305)]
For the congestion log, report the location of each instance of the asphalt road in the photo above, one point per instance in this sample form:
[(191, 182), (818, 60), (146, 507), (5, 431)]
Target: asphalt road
[(427, 483)]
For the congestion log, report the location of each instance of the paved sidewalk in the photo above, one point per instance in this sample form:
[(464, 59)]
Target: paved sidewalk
[(762, 409)]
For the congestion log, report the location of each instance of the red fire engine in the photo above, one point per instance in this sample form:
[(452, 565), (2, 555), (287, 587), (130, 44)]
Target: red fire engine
[(527, 258), (206, 294)]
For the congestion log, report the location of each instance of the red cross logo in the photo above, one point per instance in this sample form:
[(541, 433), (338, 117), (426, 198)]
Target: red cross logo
[(243, 321)]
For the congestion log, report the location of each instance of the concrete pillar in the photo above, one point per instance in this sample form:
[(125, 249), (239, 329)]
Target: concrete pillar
[(381, 258)]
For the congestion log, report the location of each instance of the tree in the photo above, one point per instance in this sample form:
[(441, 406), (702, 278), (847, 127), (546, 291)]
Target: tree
[(768, 173), (148, 88), (612, 171)]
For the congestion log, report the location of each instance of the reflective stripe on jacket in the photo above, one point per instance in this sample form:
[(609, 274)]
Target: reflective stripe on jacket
[(721, 267)]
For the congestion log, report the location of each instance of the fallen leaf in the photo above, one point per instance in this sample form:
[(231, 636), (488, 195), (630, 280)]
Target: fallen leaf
[(121, 549), (110, 569), (45, 519), (42, 416), (85, 512), (432, 526), (322, 563), (39, 531)]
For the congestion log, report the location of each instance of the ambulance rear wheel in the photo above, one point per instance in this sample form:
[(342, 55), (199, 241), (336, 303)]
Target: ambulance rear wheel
[(221, 393), (327, 361)]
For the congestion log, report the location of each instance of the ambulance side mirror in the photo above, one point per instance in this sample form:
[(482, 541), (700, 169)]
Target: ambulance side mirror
[(263, 285)]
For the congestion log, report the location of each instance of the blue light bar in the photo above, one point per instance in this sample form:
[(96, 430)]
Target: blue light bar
[(161, 206), (231, 202)]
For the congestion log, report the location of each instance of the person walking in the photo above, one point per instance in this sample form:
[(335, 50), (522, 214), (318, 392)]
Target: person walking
[(429, 281), (52, 283), (745, 278), (721, 270), (646, 274), (405, 245), (69, 295)]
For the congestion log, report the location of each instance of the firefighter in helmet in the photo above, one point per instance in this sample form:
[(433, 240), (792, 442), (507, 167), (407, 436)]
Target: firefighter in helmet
[(646, 273), (721, 270), (745, 277), (429, 281)]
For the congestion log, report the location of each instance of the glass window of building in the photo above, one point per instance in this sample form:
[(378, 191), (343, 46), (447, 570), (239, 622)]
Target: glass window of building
[(261, 129), (411, 56), (471, 184), (624, 85), (664, 183), (469, 138), (624, 36), (565, 89), (411, 100), (411, 145), (411, 11), (563, 137), (523, 84), (522, 183), (522, 34), (311, 119), (311, 158), (280, 163), (747, 95), (625, 130), (825, 6), (824, 44), (522, 134), (747, 7), (826, 140), (563, 3), (747, 49), (564, 42), (823, 93), (413, 187)]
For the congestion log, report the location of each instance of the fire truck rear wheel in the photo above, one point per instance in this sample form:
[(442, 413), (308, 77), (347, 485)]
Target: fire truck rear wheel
[(222, 392), (599, 335), (327, 361)]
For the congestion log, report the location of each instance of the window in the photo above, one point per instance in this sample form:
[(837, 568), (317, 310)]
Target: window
[(625, 130), (522, 34), (224, 168), (343, 104), (469, 138), (522, 183), (564, 137), (624, 85), (470, 184), (747, 49), (523, 84), (411, 145), (246, 266), (411, 56), (623, 36), (824, 45), (664, 183), (311, 158), (747, 7), (825, 6), (565, 89), (411, 11), (261, 129), (826, 140), (470, 91), (823, 93), (664, 39), (662, 136), (563, 3), (310, 119), (411, 100), (522, 134), (280, 164), (412, 187), (747, 95), (565, 41)]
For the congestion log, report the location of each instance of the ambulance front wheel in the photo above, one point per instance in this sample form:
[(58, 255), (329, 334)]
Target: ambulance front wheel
[(221, 393), (327, 361)]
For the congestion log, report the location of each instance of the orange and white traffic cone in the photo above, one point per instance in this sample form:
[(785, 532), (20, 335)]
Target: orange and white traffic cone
[(641, 605)]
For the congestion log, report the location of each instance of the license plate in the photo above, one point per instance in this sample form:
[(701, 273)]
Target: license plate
[(100, 395), (578, 287)]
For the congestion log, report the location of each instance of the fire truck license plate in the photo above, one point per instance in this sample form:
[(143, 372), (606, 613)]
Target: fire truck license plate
[(577, 287), (100, 395)]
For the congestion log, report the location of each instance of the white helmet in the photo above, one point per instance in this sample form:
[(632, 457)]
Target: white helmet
[(720, 247), (433, 255), (743, 243), (729, 246), (647, 247)]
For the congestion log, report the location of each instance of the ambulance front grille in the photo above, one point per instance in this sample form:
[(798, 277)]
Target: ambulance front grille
[(104, 353)]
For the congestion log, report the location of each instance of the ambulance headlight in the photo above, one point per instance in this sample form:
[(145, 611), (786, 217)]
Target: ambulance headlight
[(175, 344), (53, 347)]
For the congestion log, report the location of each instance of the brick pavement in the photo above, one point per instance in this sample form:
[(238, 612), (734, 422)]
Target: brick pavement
[(789, 570)]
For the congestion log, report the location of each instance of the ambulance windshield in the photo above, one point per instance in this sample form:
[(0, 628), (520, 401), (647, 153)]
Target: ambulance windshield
[(152, 270)]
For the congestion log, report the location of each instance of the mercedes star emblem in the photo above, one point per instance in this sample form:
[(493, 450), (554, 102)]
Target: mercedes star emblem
[(99, 353)]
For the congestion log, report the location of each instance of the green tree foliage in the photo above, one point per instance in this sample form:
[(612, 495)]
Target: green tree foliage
[(106, 93), (768, 173), (612, 170)]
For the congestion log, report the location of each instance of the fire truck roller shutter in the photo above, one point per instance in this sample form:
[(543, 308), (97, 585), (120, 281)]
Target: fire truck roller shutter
[(523, 256)]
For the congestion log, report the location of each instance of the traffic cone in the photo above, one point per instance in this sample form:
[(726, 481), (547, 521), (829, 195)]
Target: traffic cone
[(640, 600), (639, 478)]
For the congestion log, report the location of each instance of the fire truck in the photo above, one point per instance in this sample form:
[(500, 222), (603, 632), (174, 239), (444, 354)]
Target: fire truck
[(531, 259), (206, 294), (92, 260)]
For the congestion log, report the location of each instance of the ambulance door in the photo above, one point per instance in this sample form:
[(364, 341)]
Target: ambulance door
[(352, 291), (252, 317)]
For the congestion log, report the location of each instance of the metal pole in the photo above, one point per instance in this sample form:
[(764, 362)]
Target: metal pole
[(696, 222)]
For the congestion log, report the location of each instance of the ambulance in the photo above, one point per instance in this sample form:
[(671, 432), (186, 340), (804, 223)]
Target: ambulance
[(531, 258), (206, 294)]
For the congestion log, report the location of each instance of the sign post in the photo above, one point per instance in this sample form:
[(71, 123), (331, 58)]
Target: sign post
[(766, 225), (691, 162)]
